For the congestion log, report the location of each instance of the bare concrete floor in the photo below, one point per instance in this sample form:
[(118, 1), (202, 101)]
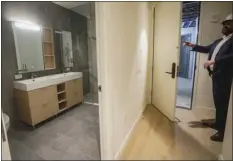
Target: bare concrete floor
[(191, 124), (73, 135), (184, 93)]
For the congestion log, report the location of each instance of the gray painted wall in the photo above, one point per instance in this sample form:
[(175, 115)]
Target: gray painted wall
[(46, 14)]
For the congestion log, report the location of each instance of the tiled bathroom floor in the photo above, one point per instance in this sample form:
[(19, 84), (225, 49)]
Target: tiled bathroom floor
[(73, 135), (91, 98)]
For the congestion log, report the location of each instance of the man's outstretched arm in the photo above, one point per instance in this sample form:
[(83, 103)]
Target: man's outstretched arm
[(198, 48)]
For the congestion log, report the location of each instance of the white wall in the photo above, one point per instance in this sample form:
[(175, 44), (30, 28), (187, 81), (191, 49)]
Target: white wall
[(122, 32), (227, 143), (208, 33)]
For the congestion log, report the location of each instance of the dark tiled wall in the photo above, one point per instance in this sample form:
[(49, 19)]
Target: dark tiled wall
[(46, 14)]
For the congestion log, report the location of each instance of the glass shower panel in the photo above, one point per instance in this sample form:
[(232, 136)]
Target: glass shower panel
[(93, 74)]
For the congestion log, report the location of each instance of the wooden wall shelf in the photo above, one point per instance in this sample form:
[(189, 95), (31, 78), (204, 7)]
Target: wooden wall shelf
[(61, 87), (61, 92), (62, 101), (61, 96), (48, 48)]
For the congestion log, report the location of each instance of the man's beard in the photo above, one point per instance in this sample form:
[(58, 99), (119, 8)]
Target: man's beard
[(226, 31)]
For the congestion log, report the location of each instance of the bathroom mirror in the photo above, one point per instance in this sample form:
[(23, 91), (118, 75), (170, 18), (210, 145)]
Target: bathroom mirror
[(28, 45), (63, 46)]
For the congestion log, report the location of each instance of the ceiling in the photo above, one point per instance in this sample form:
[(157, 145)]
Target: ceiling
[(70, 5), (191, 9), (81, 8)]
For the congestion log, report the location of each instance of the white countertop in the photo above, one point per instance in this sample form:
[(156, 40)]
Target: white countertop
[(40, 82)]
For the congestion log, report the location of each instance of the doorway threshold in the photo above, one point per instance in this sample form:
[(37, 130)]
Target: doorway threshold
[(183, 107), (90, 103)]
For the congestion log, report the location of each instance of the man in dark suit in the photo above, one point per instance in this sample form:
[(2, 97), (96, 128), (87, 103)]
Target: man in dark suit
[(220, 68)]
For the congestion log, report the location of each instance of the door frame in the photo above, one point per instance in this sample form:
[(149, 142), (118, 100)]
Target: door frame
[(6, 154), (188, 34), (153, 51), (196, 61), (105, 113)]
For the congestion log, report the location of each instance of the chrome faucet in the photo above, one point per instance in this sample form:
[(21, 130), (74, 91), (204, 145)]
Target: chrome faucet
[(33, 76)]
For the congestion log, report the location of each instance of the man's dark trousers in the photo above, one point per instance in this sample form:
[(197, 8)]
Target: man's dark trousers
[(221, 93)]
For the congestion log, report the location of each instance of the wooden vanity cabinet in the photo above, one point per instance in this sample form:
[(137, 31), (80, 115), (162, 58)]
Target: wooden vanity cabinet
[(74, 91), (43, 104), (38, 105)]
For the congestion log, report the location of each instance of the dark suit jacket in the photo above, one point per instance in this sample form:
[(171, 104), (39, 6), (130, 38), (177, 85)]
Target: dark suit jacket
[(224, 58)]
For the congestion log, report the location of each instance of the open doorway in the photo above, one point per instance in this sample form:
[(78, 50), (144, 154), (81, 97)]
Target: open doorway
[(187, 58), (193, 120), (164, 97), (50, 121)]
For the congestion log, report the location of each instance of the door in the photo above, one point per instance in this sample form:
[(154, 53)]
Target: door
[(5, 146), (74, 92), (43, 103), (184, 57), (166, 53)]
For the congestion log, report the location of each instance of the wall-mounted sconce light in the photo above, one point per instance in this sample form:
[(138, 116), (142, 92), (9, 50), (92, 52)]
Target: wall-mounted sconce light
[(28, 26)]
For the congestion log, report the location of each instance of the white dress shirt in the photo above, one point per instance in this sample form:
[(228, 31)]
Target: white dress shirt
[(218, 47)]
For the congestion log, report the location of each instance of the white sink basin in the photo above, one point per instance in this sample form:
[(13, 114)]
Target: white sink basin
[(40, 82)]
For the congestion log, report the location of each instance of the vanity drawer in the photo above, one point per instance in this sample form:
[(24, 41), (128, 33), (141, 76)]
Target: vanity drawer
[(43, 104), (74, 90)]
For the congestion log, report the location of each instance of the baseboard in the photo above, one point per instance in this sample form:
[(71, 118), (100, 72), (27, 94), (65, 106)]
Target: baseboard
[(220, 157), (122, 147)]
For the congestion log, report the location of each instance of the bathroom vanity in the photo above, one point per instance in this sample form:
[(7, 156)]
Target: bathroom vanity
[(38, 99), (41, 98)]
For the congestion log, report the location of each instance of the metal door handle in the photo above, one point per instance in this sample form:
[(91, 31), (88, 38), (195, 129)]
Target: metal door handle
[(99, 88), (173, 72)]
